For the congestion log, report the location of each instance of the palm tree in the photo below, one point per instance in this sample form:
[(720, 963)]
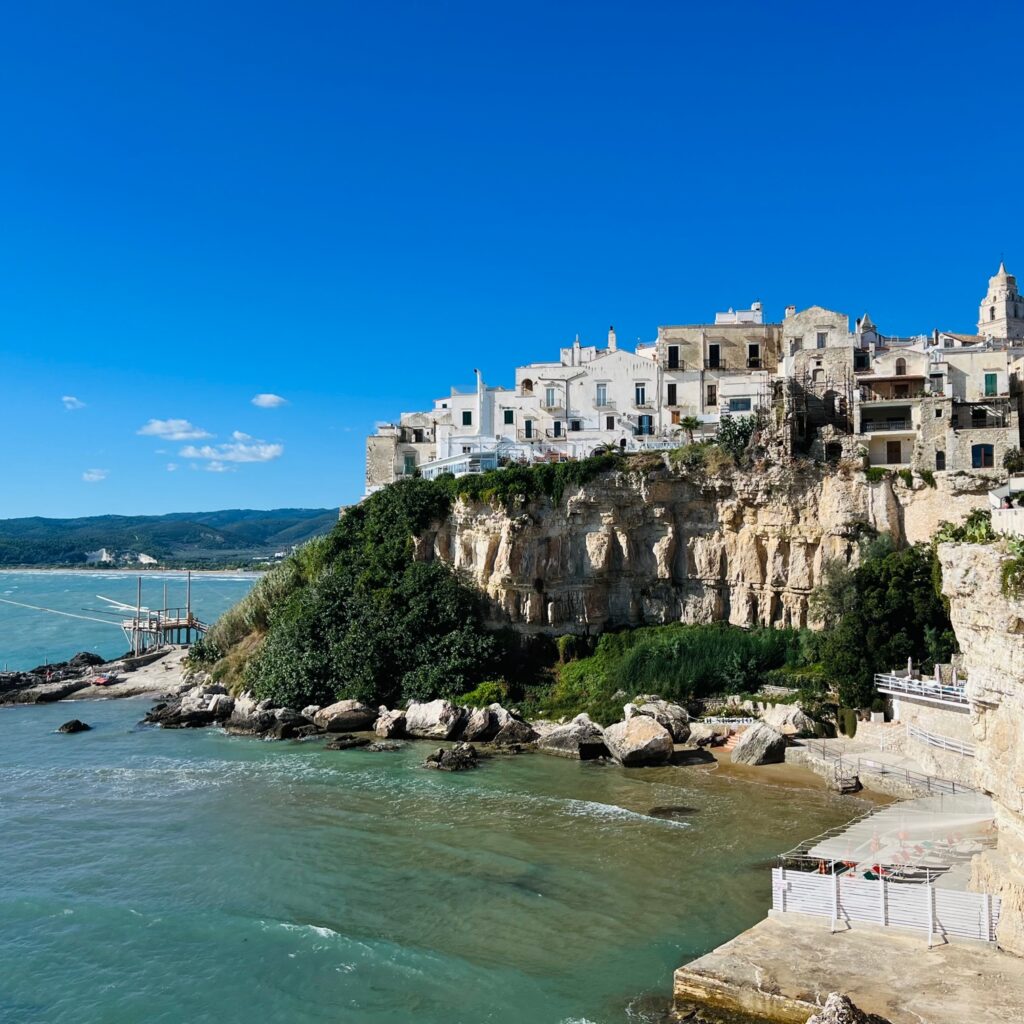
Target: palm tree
[(689, 424)]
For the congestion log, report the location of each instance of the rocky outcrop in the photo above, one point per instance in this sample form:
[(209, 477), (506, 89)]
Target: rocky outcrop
[(788, 719), (989, 629), (581, 739), (433, 720), (480, 726), (206, 704), (673, 717), (639, 741), (632, 547), (759, 744), (839, 1010), (515, 733), (75, 725), (459, 758), (389, 724), (346, 716)]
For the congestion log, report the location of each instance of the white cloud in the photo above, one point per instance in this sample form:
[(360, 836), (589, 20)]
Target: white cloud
[(171, 467), (219, 467), (240, 451), (173, 430), (268, 401), (72, 403), (239, 436), (94, 476)]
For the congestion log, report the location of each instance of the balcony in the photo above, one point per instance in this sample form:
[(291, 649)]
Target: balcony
[(555, 435), (676, 364), (558, 409), (533, 435), (754, 362), (868, 395), (887, 426), (606, 404), (647, 403), (928, 690), (714, 364)]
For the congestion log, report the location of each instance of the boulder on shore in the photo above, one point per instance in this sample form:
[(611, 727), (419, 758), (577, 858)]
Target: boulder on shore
[(458, 759), (581, 738), (639, 741), (433, 720), (75, 725), (514, 733), (838, 1009), (759, 744), (251, 715), (346, 716), (345, 741), (672, 716), (789, 719), (480, 726), (207, 704), (389, 724)]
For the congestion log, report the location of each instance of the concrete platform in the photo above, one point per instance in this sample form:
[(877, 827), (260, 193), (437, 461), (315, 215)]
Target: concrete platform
[(783, 968)]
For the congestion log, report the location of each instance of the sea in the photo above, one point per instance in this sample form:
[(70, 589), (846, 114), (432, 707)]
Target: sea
[(187, 876), (80, 615)]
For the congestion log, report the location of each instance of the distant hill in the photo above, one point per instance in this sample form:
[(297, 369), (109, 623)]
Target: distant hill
[(231, 536)]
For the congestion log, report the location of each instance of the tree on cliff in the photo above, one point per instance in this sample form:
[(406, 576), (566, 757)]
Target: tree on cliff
[(883, 612)]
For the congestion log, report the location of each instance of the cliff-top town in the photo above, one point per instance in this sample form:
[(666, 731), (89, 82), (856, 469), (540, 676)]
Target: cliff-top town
[(936, 402)]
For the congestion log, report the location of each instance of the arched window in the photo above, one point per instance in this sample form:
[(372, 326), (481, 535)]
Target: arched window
[(818, 376), (527, 386), (901, 367), (981, 456)]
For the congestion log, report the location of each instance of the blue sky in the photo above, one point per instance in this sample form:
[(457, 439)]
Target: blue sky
[(351, 206)]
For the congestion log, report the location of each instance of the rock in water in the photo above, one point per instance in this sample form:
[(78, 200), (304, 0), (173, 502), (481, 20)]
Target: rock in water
[(760, 744), (434, 720), (640, 741), (514, 733), (458, 759), (672, 716), (74, 726), (385, 745), (581, 738), (345, 741), (389, 724), (346, 716), (839, 1010), (480, 726)]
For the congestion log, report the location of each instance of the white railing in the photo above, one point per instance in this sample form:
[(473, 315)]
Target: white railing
[(942, 742), (1009, 521), (725, 720), (925, 689), (848, 898)]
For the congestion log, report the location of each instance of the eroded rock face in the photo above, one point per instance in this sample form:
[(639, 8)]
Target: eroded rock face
[(990, 632), (839, 1010), (671, 716), (788, 719), (639, 741), (389, 724), (759, 744), (631, 548)]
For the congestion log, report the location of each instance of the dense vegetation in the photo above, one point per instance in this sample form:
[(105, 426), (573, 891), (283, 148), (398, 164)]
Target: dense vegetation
[(880, 614), (180, 537), (680, 662)]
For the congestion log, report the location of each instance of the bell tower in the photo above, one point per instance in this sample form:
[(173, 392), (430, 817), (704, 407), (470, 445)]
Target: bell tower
[(1001, 314)]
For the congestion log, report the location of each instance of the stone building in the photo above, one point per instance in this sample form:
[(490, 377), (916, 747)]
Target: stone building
[(941, 402)]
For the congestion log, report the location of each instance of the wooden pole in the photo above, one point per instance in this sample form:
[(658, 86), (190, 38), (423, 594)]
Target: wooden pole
[(138, 621)]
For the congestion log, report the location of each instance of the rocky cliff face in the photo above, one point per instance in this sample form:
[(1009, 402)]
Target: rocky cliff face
[(635, 548), (990, 632)]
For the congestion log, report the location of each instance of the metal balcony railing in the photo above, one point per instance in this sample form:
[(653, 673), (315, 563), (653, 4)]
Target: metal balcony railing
[(606, 404), (880, 426), (922, 689), (558, 435), (977, 422), (677, 364), (754, 362), (872, 395), (533, 435), (714, 364)]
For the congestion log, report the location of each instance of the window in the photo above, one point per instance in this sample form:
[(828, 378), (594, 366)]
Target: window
[(991, 385), (714, 357), (739, 405), (467, 418), (574, 425), (818, 376), (528, 429), (609, 423), (822, 339), (510, 415), (670, 398), (410, 465), (417, 435), (712, 395), (901, 367), (645, 426), (602, 394), (754, 356), (640, 394), (527, 386), (938, 413), (549, 397), (940, 460), (673, 357), (795, 345), (557, 432), (981, 456), (466, 450), (991, 312)]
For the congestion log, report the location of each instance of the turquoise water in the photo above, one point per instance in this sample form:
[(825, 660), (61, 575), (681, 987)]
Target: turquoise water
[(189, 876), (28, 638)]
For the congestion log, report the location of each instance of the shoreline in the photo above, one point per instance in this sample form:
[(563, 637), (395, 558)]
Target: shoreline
[(130, 571)]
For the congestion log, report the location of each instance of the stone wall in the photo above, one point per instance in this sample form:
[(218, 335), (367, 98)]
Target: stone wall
[(990, 631)]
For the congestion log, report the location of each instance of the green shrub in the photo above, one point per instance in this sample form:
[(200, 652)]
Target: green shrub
[(1012, 571), (878, 704), (848, 722), (928, 477), (494, 691), (690, 456), (875, 474), (906, 476), (1013, 460), (735, 433), (975, 529)]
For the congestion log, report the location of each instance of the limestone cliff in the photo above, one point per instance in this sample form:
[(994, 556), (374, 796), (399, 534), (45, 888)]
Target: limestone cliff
[(631, 548), (990, 631)]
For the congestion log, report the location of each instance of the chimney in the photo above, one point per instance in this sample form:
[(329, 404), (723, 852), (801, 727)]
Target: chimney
[(790, 311), (613, 345)]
